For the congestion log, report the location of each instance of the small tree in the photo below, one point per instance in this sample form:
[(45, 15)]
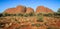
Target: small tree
[(56, 14), (1, 14), (58, 10)]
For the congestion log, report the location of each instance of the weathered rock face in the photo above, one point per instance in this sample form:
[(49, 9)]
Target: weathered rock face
[(10, 10), (18, 9), (21, 9), (43, 9), (29, 10)]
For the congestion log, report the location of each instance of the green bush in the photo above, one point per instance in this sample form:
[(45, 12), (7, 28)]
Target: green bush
[(26, 15), (39, 14), (56, 14), (48, 15), (37, 25), (1, 14), (58, 10), (6, 14), (33, 24), (31, 14), (40, 19), (53, 28), (19, 14), (2, 25)]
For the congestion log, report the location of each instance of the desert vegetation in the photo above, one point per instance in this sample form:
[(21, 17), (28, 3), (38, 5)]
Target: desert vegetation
[(29, 20)]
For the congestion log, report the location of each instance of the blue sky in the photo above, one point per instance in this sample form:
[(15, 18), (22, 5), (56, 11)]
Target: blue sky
[(52, 4)]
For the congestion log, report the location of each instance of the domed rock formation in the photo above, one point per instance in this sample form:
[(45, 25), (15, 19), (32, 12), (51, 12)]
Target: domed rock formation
[(18, 9), (21, 9), (10, 10), (42, 9), (29, 10)]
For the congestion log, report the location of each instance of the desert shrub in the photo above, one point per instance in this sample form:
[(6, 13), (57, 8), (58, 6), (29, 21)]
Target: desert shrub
[(32, 24), (40, 19), (24, 25), (26, 15), (58, 10), (37, 25), (6, 14), (18, 27), (45, 14), (56, 14), (2, 25), (49, 28), (19, 14), (13, 14), (1, 14), (53, 27), (46, 24), (39, 14), (48, 15), (31, 14)]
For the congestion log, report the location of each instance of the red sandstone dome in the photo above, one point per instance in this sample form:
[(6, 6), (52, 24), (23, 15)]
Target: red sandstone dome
[(43, 9), (21, 9), (29, 10), (10, 10), (18, 9)]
